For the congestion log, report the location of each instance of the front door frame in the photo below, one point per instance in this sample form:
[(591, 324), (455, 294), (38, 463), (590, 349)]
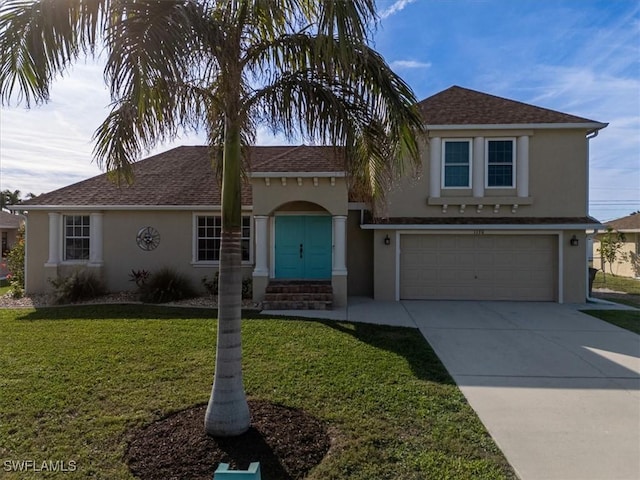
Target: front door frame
[(272, 236)]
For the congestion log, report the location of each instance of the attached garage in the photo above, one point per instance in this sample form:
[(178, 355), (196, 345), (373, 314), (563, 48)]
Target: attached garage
[(478, 267)]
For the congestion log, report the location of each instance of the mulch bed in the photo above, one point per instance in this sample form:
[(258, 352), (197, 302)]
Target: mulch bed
[(287, 442)]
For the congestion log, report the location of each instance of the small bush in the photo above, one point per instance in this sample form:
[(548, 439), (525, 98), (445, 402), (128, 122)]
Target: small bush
[(166, 285), (15, 263), (80, 285), (247, 288), (212, 286), (139, 277)]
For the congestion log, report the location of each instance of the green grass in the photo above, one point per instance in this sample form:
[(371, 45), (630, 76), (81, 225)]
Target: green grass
[(76, 379), (619, 284), (629, 319)]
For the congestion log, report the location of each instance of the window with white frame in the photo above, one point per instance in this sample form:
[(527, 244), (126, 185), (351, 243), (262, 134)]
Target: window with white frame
[(76, 237), (500, 157), (456, 163), (209, 235)]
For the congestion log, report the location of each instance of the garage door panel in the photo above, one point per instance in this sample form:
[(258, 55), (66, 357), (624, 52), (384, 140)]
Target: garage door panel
[(478, 267)]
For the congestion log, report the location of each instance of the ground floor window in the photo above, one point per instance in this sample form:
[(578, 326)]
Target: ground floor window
[(209, 234), (76, 237)]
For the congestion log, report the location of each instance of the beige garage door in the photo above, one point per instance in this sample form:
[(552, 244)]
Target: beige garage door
[(478, 267)]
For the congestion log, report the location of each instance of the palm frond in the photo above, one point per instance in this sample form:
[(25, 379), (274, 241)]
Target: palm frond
[(39, 41)]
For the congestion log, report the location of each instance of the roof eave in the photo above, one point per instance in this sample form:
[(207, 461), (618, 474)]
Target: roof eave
[(487, 226), (93, 208), (590, 126)]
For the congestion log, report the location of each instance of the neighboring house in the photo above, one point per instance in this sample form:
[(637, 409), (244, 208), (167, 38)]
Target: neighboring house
[(499, 212), (628, 259), (9, 225)]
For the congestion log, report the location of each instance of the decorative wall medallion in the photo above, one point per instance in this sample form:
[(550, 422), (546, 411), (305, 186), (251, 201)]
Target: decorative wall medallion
[(148, 238)]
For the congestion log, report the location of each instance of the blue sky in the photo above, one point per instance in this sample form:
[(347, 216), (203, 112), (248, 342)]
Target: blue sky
[(576, 56)]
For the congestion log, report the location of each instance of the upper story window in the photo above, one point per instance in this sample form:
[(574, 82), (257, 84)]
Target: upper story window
[(76, 237), (456, 160), (209, 235), (500, 157)]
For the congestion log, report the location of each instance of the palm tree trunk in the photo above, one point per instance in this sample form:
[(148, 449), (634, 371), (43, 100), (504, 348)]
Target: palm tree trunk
[(228, 413)]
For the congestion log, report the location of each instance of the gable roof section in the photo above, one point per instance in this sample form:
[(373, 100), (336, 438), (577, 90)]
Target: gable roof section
[(301, 159), (10, 221), (183, 176), (630, 223), (462, 106)]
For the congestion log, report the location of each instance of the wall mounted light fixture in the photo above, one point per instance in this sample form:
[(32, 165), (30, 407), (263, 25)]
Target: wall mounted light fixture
[(574, 242), (387, 240)]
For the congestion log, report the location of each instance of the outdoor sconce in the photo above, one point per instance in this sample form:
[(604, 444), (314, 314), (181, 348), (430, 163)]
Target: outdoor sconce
[(574, 241), (387, 240)]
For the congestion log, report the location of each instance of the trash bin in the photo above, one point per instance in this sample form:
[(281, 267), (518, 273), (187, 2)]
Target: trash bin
[(592, 277)]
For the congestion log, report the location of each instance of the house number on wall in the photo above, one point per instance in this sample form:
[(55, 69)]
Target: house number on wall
[(148, 238)]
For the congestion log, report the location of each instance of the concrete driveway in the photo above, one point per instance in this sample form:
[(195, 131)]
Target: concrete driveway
[(558, 390)]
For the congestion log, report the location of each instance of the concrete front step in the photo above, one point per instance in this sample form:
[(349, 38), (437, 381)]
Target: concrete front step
[(299, 305), (298, 295)]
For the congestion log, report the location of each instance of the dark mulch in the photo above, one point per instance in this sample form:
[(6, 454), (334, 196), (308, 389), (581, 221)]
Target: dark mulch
[(288, 443)]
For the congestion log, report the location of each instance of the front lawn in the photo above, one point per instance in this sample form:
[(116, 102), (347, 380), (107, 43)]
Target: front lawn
[(75, 380), (623, 290), (629, 319)]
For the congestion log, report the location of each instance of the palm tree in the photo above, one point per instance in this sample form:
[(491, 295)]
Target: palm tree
[(8, 198), (301, 67)]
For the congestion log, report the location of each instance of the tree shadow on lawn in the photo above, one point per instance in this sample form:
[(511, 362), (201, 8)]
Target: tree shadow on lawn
[(404, 341), (126, 312)]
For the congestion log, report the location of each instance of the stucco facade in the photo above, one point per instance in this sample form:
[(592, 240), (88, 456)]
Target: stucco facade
[(504, 218)]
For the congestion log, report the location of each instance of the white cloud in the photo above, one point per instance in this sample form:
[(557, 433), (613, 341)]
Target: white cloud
[(395, 8), (399, 64)]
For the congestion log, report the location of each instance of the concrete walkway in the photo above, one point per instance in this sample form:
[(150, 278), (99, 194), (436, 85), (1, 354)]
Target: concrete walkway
[(557, 389)]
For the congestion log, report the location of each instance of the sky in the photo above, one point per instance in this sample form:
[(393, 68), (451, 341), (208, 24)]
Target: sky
[(576, 56)]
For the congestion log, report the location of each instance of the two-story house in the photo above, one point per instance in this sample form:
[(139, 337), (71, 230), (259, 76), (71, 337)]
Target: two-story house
[(498, 212)]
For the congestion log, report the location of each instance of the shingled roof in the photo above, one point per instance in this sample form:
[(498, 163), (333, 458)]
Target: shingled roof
[(461, 106), (185, 176), (10, 221), (630, 223)]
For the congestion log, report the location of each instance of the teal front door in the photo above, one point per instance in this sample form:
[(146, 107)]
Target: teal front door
[(303, 247)]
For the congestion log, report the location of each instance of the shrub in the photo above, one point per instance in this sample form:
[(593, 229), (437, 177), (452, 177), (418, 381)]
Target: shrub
[(212, 286), (166, 285), (139, 276), (80, 285), (247, 288), (15, 263)]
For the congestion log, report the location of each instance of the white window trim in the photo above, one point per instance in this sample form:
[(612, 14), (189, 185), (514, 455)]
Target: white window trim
[(194, 239), (443, 165), (514, 157), (63, 243)]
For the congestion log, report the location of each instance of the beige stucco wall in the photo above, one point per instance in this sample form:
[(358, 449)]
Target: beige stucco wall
[(384, 269), (268, 198), (575, 267), (359, 257), (628, 261), (558, 162), (120, 251)]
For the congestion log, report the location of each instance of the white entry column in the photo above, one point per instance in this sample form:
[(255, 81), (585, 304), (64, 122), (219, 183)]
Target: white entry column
[(339, 245), (262, 247), (54, 240), (95, 240)]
